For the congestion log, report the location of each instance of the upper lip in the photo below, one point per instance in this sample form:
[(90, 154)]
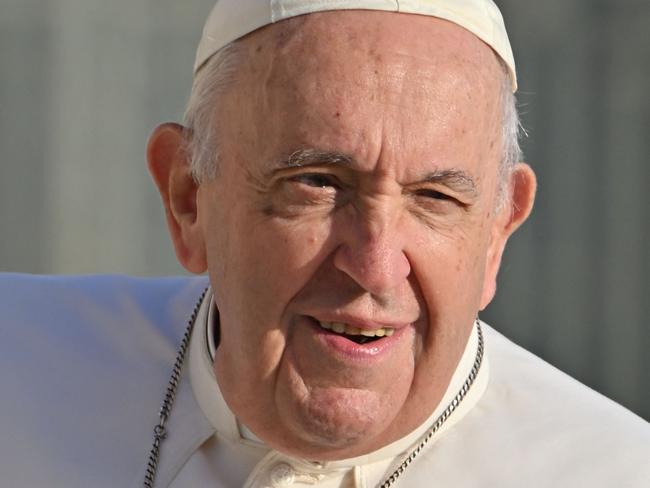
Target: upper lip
[(361, 322)]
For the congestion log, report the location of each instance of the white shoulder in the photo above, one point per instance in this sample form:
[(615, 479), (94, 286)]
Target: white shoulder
[(537, 427), (524, 377), (559, 429)]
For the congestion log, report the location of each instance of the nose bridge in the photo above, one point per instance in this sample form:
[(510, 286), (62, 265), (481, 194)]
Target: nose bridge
[(372, 248), (375, 220)]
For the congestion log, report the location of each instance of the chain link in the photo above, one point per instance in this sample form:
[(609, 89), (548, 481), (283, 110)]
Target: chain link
[(160, 431), (478, 360)]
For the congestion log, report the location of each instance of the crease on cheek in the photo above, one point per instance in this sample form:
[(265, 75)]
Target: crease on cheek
[(292, 209), (294, 387), (447, 225), (304, 243)]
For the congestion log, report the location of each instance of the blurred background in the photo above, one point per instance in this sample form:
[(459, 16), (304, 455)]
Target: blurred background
[(83, 82)]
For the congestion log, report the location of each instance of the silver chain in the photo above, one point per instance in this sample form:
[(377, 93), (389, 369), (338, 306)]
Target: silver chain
[(462, 393), (160, 432)]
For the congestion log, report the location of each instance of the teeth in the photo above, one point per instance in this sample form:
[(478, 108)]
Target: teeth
[(353, 331), (338, 327), (341, 328)]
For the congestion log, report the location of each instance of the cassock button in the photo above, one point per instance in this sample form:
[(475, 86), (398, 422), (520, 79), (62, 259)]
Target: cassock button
[(282, 475)]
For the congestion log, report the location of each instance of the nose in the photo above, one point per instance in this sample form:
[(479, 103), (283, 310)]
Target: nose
[(372, 250)]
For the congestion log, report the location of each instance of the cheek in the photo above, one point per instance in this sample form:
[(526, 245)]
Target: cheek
[(287, 252), (258, 264), (449, 268), (262, 261)]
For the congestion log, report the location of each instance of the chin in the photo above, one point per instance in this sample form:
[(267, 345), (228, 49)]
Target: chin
[(336, 423)]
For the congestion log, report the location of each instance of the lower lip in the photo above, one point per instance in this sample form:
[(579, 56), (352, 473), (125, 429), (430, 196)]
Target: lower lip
[(346, 349)]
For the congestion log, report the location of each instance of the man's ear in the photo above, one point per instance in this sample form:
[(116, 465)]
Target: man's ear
[(170, 168), (513, 212)]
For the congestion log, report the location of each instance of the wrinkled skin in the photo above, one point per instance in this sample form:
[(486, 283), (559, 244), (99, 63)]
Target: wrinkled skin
[(395, 222)]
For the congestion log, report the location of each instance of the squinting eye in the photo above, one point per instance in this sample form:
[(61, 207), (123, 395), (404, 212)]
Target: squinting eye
[(436, 195), (317, 180)]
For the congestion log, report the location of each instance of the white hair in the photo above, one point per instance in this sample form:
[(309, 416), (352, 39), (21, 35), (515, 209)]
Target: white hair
[(209, 83), (511, 129), (200, 120)]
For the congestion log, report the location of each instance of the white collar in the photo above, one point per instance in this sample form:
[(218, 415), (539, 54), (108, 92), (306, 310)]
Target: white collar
[(208, 395)]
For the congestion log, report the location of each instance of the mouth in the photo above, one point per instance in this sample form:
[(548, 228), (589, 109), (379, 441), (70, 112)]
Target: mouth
[(354, 341), (355, 334)]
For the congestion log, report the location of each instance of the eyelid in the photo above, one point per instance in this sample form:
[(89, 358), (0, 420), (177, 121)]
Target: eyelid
[(317, 174), (444, 196), (433, 193), (331, 176)]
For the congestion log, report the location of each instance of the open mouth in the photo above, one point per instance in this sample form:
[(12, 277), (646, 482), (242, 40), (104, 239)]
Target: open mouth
[(360, 336)]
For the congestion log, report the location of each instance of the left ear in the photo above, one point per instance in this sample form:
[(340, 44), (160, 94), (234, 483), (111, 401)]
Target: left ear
[(516, 209)]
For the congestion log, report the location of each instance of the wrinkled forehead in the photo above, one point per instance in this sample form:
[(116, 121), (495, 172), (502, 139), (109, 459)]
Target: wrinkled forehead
[(373, 51), (348, 80), (371, 37)]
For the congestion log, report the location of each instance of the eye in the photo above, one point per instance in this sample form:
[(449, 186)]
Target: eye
[(316, 180), (433, 194)]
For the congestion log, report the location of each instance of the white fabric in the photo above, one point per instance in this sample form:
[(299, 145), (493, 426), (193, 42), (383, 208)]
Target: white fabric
[(84, 363), (231, 19)]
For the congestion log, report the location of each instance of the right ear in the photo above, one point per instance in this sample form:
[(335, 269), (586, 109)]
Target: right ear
[(169, 166)]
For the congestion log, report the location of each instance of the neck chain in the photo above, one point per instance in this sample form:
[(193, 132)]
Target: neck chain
[(160, 431)]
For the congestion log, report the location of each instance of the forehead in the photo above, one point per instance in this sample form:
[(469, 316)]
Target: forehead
[(363, 82), (372, 36)]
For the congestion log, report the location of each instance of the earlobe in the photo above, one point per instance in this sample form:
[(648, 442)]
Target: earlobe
[(170, 170), (522, 188)]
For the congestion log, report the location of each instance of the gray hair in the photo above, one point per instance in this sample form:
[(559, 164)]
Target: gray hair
[(200, 120), (511, 129), (210, 82)]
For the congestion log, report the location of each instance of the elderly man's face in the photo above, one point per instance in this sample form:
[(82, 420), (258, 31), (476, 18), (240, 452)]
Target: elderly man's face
[(356, 192)]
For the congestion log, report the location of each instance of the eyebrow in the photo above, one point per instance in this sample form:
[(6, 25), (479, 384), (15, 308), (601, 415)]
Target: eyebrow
[(454, 179), (312, 157)]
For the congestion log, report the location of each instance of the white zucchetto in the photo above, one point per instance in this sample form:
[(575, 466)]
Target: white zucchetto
[(232, 19)]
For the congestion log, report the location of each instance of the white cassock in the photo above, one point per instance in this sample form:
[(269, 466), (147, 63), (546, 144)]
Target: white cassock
[(85, 361)]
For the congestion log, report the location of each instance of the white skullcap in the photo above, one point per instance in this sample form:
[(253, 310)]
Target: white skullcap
[(232, 19)]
